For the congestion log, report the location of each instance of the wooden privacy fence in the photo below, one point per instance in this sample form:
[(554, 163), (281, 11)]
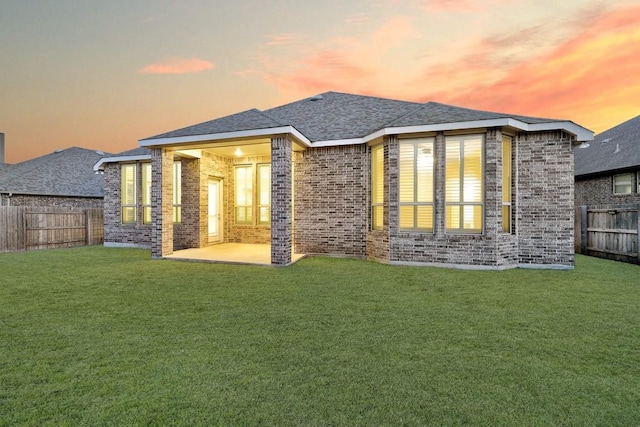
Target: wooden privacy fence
[(609, 232), (27, 228)]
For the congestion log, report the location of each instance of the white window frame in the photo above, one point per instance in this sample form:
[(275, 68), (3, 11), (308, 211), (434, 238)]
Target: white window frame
[(417, 204), (461, 204), (618, 181), (177, 191), (260, 202), (507, 178), (377, 183), (146, 192), (125, 188), (248, 207)]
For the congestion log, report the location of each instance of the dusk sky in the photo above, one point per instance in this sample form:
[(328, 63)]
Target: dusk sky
[(104, 74)]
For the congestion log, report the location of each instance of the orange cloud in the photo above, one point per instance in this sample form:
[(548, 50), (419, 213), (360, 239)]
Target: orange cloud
[(342, 64), (178, 66), (590, 78)]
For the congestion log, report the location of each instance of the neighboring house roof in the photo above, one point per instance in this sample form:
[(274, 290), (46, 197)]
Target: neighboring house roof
[(614, 149), (334, 118), (67, 172)]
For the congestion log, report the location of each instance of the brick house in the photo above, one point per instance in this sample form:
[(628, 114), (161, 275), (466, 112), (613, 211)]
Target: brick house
[(64, 178), (340, 174), (607, 170)]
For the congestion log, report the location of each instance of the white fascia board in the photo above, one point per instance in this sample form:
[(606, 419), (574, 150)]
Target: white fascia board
[(193, 139), (98, 166), (336, 142), (581, 134)]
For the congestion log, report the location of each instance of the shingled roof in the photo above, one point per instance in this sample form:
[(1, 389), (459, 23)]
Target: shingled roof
[(615, 149), (334, 116), (67, 172)]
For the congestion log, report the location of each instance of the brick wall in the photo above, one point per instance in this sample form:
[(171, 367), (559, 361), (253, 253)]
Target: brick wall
[(51, 201), (186, 233), (545, 198), (438, 247), (598, 190), (542, 205), (281, 206), (331, 200), (115, 232)]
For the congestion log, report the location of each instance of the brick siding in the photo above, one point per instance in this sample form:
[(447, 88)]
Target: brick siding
[(51, 201), (331, 200), (598, 190)]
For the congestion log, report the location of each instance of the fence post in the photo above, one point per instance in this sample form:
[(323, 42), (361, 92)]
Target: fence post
[(584, 233), (638, 232), (86, 227)]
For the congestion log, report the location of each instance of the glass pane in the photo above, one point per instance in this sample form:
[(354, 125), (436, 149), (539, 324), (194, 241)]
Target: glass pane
[(177, 183), (622, 183), (177, 214), (452, 218), (506, 169), (472, 187), (146, 215), (265, 215), (424, 215), (128, 214), (378, 220), (472, 220), (244, 185), (506, 219), (128, 184), (264, 184), (424, 171), (146, 184), (377, 171), (407, 218), (452, 187), (407, 165)]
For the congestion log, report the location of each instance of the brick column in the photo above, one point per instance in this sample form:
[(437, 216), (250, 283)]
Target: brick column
[(281, 160), (161, 203)]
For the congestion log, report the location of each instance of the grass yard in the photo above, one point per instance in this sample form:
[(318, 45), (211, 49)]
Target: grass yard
[(98, 336)]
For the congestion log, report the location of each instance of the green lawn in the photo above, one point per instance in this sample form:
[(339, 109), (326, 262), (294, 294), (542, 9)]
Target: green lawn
[(96, 336)]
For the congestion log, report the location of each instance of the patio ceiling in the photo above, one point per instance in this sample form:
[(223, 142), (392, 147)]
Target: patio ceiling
[(248, 148)]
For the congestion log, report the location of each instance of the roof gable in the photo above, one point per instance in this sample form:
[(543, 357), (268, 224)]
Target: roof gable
[(614, 149), (335, 115)]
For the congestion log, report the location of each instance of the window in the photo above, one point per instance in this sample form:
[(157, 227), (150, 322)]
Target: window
[(638, 182), (377, 187), (244, 194), (177, 191), (146, 193), (128, 193), (507, 184), (416, 184), (622, 183), (464, 203), (264, 194)]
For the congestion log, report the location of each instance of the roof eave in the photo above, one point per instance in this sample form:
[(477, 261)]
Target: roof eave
[(252, 133), (100, 165)]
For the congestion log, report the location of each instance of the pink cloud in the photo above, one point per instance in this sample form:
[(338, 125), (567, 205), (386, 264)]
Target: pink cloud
[(590, 78), (178, 66)]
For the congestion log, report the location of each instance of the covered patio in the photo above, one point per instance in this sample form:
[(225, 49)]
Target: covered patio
[(231, 253)]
